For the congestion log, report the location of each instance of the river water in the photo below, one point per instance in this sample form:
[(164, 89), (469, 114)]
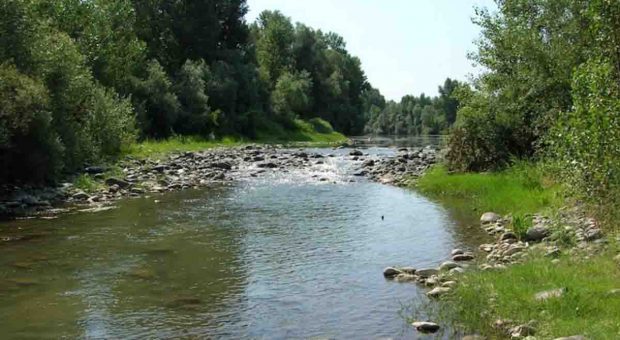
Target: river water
[(278, 257)]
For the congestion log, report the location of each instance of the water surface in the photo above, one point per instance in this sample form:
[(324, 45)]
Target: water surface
[(286, 255)]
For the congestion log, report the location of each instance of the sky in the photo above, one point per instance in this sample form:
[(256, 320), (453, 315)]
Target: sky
[(406, 46)]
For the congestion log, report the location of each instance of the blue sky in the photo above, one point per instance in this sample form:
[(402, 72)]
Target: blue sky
[(406, 46)]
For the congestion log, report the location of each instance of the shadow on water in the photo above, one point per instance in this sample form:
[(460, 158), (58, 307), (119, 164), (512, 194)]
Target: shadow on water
[(284, 256)]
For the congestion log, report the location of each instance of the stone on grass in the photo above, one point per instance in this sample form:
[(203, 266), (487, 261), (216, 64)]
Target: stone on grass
[(572, 337), (463, 257), (489, 217), (536, 233), (438, 291), (447, 265), (549, 294)]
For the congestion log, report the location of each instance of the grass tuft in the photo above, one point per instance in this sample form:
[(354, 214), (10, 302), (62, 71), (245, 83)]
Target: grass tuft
[(86, 183)]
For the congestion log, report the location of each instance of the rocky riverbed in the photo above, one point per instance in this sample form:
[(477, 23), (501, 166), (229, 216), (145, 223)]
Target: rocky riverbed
[(133, 177)]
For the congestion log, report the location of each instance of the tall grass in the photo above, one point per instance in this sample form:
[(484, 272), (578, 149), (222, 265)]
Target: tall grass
[(521, 189)]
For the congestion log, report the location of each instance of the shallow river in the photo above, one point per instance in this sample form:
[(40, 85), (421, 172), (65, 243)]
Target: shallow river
[(283, 256)]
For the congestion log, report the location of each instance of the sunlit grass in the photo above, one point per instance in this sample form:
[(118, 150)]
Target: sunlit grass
[(521, 189), (587, 307)]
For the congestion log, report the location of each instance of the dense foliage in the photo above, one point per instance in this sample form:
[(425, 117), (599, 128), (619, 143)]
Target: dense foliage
[(79, 79), (552, 91), (412, 115)]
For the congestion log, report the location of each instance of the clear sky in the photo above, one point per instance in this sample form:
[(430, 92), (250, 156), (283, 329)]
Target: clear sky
[(406, 46)]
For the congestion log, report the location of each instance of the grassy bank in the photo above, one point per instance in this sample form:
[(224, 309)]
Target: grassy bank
[(519, 190), (588, 307), (482, 297), (313, 132)]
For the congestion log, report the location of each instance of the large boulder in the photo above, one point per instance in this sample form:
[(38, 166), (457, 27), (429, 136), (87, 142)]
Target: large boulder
[(391, 272)]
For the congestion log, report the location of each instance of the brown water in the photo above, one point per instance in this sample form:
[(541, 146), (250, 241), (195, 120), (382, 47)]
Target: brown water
[(283, 256)]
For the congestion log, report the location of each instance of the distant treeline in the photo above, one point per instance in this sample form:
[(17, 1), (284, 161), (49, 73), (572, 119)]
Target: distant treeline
[(81, 78), (412, 115)]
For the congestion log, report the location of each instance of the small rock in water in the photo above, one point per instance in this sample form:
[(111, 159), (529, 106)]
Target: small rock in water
[(356, 153), (489, 217), (403, 277), (425, 326), (391, 272)]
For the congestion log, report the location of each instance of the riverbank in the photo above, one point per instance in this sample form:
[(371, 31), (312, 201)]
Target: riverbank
[(166, 168), (550, 273)]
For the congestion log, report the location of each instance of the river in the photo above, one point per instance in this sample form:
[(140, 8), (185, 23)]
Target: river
[(281, 256)]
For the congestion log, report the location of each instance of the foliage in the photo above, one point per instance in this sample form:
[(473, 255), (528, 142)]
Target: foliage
[(291, 95), (412, 115)]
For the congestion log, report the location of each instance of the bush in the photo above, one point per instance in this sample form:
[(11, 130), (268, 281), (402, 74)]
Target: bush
[(291, 95), (29, 147), (585, 141), (320, 125)]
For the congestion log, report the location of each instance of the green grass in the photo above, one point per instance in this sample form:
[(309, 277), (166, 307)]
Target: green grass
[(314, 132), (520, 190), (586, 308), (86, 183)]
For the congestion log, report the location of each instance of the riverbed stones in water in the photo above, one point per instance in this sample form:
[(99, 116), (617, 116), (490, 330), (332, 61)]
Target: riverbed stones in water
[(403, 277), (425, 326), (438, 291), (427, 272), (356, 153), (489, 217), (408, 270), (536, 233), (391, 272)]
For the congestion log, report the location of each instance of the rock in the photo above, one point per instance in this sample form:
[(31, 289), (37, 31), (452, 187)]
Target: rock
[(403, 277), (356, 153), (159, 168), (449, 284), (463, 257), (473, 337), (509, 235), (438, 291), (572, 337), (92, 170), (391, 272), (270, 165), (548, 294), (80, 196), (614, 292), (427, 272), (457, 252), (593, 234), (221, 165), (408, 270), (115, 181), (536, 233), (489, 217), (457, 270), (487, 247), (368, 163), (425, 326), (521, 331), (447, 265)]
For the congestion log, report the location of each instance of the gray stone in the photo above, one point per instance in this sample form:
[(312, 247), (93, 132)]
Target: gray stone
[(115, 181), (572, 337), (457, 252), (356, 153), (593, 234), (549, 294), (408, 270), (438, 291), (447, 265), (425, 326), (391, 272), (536, 233), (427, 272), (509, 235), (489, 217), (80, 196), (463, 257)]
